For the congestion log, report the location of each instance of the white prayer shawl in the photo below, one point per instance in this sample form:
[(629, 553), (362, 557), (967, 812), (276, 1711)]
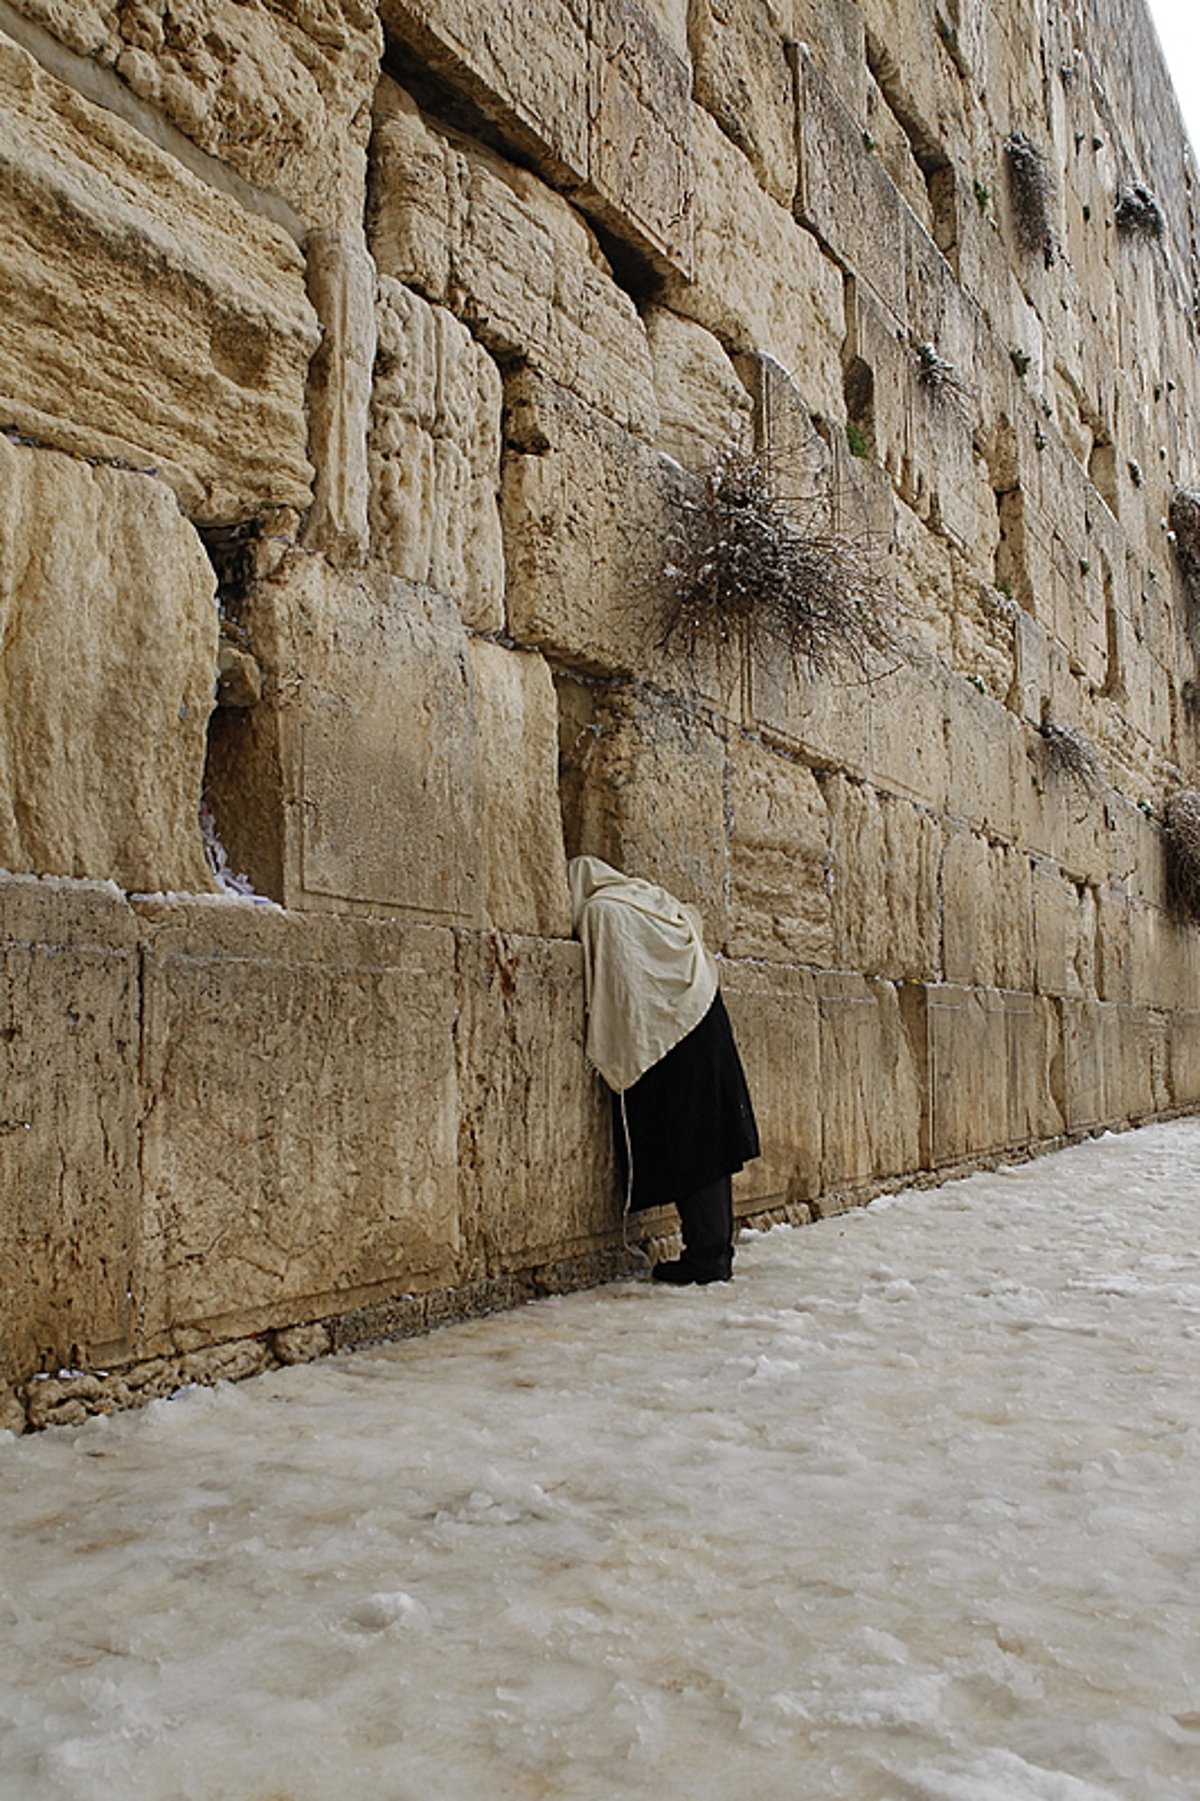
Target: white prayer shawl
[(648, 978)]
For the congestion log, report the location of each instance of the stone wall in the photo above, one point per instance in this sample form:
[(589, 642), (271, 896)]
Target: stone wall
[(359, 362)]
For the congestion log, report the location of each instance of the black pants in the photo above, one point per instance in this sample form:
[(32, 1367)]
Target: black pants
[(706, 1222)]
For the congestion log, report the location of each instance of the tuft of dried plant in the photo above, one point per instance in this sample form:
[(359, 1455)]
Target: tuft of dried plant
[(1183, 518), (1068, 753), (1031, 189), (940, 377), (1138, 212), (744, 569), (1181, 832)]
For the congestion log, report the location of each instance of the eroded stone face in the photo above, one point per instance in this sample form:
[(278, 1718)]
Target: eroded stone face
[(144, 308), (435, 456), (508, 256), (280, 93), (68, 1145), (108, 650), (314, 1155)]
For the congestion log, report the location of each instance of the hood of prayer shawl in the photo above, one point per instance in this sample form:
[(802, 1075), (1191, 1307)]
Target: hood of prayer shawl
[(649, 979)]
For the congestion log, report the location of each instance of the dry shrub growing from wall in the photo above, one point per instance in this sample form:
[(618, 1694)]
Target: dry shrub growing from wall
[(940, 378), (1181, 827), (1067, 753), (1184, 521), (1031, 189), (744, 570), (1138, 212)]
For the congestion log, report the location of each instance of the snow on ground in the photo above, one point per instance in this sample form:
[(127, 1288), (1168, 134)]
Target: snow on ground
[(909, 1510)]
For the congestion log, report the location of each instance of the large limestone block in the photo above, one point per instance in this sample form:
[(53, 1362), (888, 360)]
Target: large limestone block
[(536, 1176), (435, 456), (968, 1072), (704, 410), (651, 799), (1088, 1033), (640, 177), (1064, 923), (108, 647), (777, 1026), (793, 308), (744, 79), (365, 745), (884, 858), (906, 709), (586, 514), (281, 94), (978, 750), (1032, 1039), (871, 1083), (779, 857), (987, 913), (144, 309), (69, 1113), (523, 859), (508, 256), (1184, 1030), (299, 1149), (843, 193), (1137, 1081), (528, 70)]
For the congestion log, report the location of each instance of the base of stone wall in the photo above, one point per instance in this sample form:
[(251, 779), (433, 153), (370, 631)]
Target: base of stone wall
[(73, 1396)]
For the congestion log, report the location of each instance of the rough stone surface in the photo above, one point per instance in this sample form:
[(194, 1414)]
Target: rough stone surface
[(70, 1221), (280, 93), (703, 407), (523, 863), (277, 1169), (640, 145), (435, 456), (744, 79), (793, 309), (778, 858), (510, 257), (141, 305), (108, 649), (585, 508), (341, 286), (537, 1172)]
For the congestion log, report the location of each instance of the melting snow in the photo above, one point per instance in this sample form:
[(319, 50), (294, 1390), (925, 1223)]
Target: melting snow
[(910, 1512)]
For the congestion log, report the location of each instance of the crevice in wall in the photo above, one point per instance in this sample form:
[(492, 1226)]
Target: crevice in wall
[(242, 795)]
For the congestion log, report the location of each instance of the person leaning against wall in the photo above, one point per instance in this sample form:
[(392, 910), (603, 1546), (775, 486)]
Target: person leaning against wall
[(660, 1036)]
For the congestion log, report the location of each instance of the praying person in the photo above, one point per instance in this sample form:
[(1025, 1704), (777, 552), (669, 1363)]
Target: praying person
[(659, 1035)]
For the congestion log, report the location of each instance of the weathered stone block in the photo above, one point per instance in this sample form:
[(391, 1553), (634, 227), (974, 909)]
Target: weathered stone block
[(871, 1083), (968, 1072), (69, 1117), (907, 721), (778, 831), (435, 456), (586, 513), (108, 649), (1184, 1034), (979, 757), (883, 879), (522, 856), (280, 94), (704, 410), (509, 257), (300, 1142), (640, 138), (793, 309), (843, 194), (744, 79), (1033, 1049), (366, 741), (145, 308), (1088, 1035), (528, 70), (652, 799), (537, 1171), (777, 1026)]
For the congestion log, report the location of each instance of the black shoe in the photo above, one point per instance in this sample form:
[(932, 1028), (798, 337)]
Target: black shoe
[(683, 1271)]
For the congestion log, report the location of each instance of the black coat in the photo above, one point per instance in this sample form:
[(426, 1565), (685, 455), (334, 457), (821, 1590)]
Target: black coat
[(689, 1117)]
